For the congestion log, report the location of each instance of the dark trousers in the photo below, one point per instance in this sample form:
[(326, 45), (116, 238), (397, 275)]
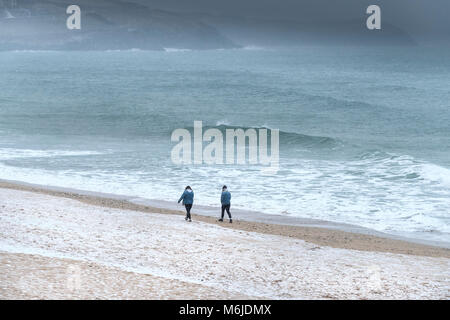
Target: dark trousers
[(227, 208), (188, 210)]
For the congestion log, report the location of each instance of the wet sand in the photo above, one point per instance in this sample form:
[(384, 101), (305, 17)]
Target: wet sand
[(57, 247), (319, 236)]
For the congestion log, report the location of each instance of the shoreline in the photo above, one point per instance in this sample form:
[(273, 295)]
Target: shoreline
[(51, 243), (321, 233)]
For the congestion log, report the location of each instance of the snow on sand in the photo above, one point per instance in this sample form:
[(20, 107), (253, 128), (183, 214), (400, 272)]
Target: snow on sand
[(197, 253)]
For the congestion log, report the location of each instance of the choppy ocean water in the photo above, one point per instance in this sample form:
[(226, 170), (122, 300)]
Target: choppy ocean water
[(364, 132)]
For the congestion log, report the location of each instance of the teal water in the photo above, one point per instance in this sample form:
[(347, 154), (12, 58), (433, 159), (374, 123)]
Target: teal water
[(364, 132)]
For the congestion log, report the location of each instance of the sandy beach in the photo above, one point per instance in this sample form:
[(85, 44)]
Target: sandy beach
[(60, 245)]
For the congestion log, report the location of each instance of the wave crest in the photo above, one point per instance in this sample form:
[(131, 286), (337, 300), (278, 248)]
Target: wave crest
[(286, 138)]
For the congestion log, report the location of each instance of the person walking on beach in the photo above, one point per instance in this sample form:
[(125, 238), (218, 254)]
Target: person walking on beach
[(188, 200), (225, 199)]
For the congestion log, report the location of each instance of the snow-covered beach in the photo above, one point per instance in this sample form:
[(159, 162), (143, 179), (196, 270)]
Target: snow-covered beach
[(56, 247)]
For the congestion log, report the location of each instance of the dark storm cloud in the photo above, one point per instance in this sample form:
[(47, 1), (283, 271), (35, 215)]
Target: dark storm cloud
[(210, 24), (420, 18)]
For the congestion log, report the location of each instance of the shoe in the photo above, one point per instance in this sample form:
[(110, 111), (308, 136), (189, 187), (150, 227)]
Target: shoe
[(220, 220), (186, 218), (231, 220), (190, 220)]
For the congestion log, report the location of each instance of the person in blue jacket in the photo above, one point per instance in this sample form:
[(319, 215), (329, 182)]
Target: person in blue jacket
[(225, 199), (188, 200)]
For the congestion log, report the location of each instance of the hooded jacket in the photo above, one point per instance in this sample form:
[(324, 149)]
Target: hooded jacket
[(225, 198), (187, 197)]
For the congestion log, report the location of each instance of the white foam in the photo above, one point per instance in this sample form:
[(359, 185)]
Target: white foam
[(176, 50), (13, 153), (380, 193), (34, 51), (436, 173), (252, 48), (222, 123)]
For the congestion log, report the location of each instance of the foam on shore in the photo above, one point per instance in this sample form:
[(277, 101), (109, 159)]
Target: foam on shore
[(232, 260), (213, 212)]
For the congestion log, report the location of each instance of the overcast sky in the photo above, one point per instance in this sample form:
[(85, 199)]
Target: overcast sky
[(421, 21), (420, 18)]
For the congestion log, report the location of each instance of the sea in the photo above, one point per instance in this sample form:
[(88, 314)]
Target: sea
[(364, 132)]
